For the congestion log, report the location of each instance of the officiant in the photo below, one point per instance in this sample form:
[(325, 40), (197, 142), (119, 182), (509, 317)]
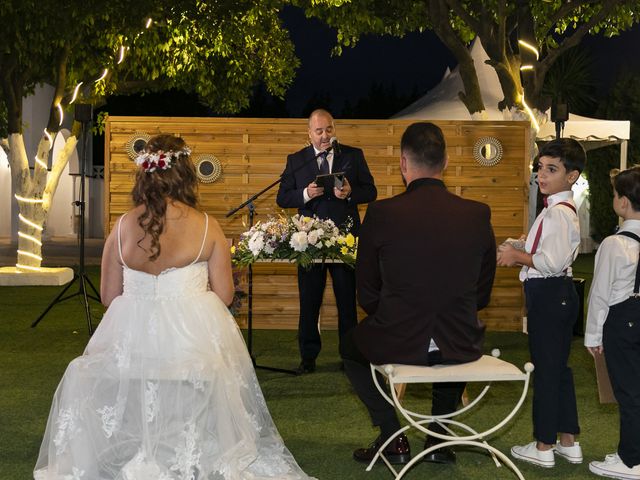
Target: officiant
[(352, 185)]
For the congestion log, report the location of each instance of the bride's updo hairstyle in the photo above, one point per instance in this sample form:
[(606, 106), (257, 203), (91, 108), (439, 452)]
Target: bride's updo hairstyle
[(165, 172)]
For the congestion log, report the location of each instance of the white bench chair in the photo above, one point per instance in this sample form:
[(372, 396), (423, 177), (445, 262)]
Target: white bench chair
[(487, 369)]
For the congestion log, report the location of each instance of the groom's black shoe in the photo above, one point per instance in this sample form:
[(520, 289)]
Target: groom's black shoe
[(306, 366), (397, 452), (442, 455)]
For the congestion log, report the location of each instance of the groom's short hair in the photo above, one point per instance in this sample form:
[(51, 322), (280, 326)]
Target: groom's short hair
[(423, 144)]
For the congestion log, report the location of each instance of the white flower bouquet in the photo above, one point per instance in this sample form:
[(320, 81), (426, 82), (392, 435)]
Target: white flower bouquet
[(299, 239)]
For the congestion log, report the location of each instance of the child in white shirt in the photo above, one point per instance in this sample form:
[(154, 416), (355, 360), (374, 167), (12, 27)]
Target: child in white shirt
[(613, 323)]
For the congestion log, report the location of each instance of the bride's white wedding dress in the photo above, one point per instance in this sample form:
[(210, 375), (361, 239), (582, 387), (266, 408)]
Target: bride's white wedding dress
[(165, 390)]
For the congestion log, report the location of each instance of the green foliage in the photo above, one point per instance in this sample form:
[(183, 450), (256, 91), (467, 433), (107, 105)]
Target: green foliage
[(99, 125), (571, 79), (553, 25), (602, 218), (623, 103), (217, 49)]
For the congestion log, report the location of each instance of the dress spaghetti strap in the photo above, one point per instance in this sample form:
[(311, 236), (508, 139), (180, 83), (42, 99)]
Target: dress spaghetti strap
[(120, 241), (204, 238)]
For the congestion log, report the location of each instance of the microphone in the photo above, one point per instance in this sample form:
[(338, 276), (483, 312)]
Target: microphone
[(335, 145)]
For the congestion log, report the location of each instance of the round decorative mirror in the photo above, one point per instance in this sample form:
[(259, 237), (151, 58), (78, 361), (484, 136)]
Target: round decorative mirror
[(135, 145), (208, 167), (487, 151)]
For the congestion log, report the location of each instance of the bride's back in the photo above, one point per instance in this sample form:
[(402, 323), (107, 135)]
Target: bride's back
[(180, 241)]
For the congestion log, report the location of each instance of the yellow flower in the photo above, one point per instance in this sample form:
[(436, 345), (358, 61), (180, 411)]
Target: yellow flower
[(344, 250), (233, 249), (350, 240)]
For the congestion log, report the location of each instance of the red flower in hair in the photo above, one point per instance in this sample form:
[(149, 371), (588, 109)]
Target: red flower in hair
[(161, 163), (145, 165)]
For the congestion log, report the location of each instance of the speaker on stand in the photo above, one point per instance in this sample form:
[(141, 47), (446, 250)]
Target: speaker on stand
[(559, 114)]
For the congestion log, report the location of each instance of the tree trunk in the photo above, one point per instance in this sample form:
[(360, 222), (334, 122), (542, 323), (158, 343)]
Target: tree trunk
[(472, 96), (34, 193)]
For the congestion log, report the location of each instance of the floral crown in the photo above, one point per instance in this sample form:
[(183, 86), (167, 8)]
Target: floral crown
[(160, 160)]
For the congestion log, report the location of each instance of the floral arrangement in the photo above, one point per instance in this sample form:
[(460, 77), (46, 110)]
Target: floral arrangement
[(152, 161), (298, 239)]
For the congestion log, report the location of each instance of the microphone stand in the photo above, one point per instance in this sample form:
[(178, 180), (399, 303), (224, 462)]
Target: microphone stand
[(252, 210)]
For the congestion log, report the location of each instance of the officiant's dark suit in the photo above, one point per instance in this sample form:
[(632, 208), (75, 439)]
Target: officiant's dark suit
[(297, 190), (425, 266)]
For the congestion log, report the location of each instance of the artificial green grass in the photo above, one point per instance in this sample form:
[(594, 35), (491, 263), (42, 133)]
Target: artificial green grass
[(318, 415)]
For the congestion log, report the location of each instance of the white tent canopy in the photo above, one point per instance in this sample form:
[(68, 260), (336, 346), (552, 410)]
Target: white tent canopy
[(443, 103)]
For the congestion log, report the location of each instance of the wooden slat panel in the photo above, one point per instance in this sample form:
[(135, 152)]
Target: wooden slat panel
[(253, 152)]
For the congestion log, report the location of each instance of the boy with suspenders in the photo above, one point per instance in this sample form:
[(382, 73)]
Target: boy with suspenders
[(552, 305), (613, 323)]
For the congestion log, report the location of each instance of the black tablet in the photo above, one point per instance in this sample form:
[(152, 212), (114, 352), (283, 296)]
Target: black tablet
[(329, 181)]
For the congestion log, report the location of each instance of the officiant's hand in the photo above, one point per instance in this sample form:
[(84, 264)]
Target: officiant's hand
[(343, 192), (314, 190)]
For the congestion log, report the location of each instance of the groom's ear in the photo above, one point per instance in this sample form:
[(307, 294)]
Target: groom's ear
[(403, 163)]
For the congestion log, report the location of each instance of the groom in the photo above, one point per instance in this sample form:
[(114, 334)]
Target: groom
[(425, 266), (298, 190)]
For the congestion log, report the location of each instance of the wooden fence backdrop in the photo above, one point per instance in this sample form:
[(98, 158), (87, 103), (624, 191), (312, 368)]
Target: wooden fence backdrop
[(252, 153)]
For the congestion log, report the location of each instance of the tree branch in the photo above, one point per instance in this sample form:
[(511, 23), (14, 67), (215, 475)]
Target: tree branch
[(567, 8), (467, 18), (576, 37)]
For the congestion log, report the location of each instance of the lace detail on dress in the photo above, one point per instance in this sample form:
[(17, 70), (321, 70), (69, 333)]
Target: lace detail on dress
[(141, 468), (151, 401), (122, 352), (67, 427), (76, 474), (187, 459), (108, 416), (195, 377)]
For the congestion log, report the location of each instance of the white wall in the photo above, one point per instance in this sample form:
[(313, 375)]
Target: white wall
[(5, 196)]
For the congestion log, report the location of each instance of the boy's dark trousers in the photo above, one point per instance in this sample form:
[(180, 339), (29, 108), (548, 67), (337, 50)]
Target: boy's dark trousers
[(621, 342), (552, 309)]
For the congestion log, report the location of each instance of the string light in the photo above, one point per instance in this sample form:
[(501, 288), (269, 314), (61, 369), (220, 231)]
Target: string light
[(30, 238), (122, 49), (148, 23), (526, 67), (102, 77), (28, 200), (530, 112), (75, 93), (29, 222), (27, 267), (29, 254), (530, 47), (41, 163), (61, 113)]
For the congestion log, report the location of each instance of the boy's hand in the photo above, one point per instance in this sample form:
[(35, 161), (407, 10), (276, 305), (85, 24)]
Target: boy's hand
[(599, 350), (507, 255)]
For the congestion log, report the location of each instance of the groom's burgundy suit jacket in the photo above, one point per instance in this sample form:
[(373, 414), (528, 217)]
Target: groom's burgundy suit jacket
[(426, 264)]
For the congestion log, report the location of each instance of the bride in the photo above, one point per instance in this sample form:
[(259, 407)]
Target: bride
[(165, 389)]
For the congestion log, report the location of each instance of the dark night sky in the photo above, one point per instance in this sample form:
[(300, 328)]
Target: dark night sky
[(415, 62)]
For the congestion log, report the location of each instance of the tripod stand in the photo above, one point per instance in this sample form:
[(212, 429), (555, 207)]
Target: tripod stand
[(83, 114)]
